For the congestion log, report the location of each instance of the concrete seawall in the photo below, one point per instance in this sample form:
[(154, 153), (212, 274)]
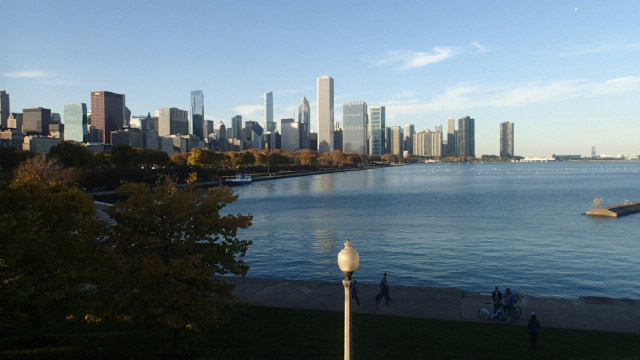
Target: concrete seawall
[(588, 313)]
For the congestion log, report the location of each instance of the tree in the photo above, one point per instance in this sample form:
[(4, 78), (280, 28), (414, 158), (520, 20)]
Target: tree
[(72, 155), (307, 157), (47, 230), (180, 158), (166, 247), (124, 155), (205, 157), (151, 157)]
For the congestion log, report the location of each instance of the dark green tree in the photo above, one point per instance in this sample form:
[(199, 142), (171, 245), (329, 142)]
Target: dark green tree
[(165, 251), (124, 155), (72, 155)]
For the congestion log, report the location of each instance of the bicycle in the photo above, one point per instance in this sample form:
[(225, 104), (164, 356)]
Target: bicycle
[(485, 314)]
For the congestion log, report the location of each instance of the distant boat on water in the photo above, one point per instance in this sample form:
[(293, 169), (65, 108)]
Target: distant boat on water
[(240, 179)]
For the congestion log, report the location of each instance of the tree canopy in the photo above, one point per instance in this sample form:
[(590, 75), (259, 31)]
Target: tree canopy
[(47, 230), (167, 245)]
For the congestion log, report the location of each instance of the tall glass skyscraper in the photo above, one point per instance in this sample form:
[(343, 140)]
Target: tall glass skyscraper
[(304, 118), (5, 110), (236, 127), (325, 114), (377, 130), (354, 119), (466, 137), (75, 122), (197, 113)]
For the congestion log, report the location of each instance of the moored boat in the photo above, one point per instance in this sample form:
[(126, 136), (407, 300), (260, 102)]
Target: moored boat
[(240, 179)]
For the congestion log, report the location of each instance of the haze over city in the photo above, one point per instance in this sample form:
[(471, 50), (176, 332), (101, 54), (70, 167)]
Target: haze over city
[(564, 72)]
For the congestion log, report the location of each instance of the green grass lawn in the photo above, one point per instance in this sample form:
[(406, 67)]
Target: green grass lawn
[(270, 333)]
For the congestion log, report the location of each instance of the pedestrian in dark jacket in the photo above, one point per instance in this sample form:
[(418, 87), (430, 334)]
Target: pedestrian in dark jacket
[(496, 295), (384, 290), (534, 326), (354, 292)]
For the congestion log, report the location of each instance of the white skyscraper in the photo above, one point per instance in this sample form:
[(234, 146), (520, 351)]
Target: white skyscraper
[(269, 124), (325, 114)]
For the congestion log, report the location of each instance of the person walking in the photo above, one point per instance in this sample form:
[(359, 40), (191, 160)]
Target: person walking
[(534, 326), (384, 290), (354, 292), (496, 295)]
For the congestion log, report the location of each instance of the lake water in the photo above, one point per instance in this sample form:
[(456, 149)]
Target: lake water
[(470, 226)]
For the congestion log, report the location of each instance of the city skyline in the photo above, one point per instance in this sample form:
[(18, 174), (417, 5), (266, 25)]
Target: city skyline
[(551, 67)]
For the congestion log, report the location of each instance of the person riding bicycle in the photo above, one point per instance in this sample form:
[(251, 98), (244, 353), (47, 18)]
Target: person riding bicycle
[(509, 300)]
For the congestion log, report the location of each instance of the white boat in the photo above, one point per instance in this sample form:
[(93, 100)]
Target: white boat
[(240, 179)]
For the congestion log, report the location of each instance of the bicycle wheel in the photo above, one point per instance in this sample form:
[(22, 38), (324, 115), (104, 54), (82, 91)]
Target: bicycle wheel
[(484, 313), (504, 318), (517, 311)]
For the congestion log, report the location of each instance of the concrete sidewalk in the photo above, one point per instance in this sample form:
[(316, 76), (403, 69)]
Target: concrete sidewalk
[(589, 313)]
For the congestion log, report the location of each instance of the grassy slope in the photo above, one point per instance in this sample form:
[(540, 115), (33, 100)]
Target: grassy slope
[(269, 333)]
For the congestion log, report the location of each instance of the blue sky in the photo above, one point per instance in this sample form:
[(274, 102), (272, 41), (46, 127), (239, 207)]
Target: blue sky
[(565, 72)]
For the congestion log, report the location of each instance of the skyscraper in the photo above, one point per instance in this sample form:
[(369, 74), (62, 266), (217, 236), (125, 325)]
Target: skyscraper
[(236, 127), (354, 118), (35, 121), (377, 130), (107, 113), (409, 131), (290, 136), (269, 124), (396, 141), (197, 113), (506, 140), (5, 109), (75, 122), (304, 118), (466, 137), (173, 121), (427, 143), (452, 147), (325, 114)]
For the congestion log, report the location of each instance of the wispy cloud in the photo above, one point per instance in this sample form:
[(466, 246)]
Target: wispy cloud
[(407, 60), (465, 97), (250, 112), (479, 47), (33, 74), (603, 48)]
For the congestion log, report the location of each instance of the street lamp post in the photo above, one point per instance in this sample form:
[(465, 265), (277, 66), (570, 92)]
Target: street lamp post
[(348, 261)]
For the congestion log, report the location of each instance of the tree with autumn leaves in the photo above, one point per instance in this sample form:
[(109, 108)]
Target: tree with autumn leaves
[(164, 252), (156, 265)]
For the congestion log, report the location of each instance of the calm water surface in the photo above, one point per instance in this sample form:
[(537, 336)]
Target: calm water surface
[(470, 226)]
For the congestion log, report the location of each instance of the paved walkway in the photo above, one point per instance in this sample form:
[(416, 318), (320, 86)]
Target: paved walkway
[(590, 313)]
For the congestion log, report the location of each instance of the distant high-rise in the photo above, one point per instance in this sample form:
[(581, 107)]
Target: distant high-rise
[(290, 136), (427, 143), (337, 136), (173, 121), (396, 141), (506, 140), (5, 109), (377, 130), (452, 147), (269, 124), (466, 137), (35, 121), (409, 131), (304, 118), (594, 154), (197, 114), (236, 127), (107, 113), (75, 122), (325, 114), (253, 134), (354, 119)]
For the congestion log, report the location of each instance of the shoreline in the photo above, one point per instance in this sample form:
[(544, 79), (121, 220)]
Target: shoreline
[(587, 313)]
